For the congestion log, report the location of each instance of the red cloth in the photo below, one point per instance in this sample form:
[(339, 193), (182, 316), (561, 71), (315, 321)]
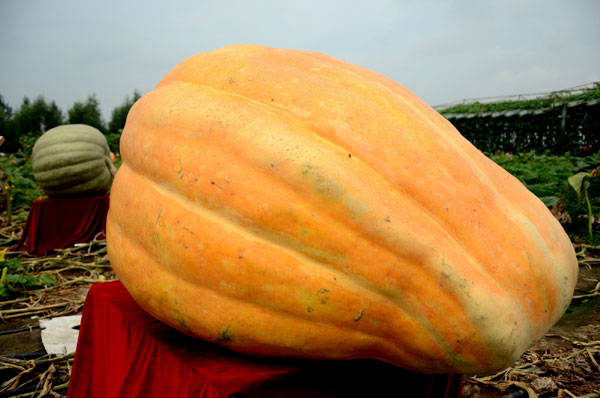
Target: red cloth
[(124, 352), (60, 223)]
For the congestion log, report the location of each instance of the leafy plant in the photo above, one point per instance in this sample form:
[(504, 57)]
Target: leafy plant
[(545, 175), (580, 182), (19, 186), (15, 278), (535, 103), (113, 142), (554, 179)]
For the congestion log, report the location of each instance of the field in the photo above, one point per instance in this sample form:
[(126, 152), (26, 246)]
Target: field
[(565, 363)]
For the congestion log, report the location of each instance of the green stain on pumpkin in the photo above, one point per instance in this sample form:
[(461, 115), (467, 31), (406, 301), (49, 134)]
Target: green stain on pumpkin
[(178, 317), (225, 335)]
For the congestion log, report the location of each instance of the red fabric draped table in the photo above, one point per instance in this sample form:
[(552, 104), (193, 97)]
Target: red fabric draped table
[(122, 351), (61, 223)]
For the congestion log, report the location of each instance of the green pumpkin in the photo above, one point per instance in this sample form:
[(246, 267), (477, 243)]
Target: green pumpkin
[(73, 160)]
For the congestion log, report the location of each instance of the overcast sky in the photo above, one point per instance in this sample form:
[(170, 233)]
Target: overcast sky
[(442, 50)]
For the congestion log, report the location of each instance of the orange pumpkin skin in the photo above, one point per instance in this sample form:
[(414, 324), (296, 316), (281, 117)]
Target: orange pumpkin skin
[(287, 203)]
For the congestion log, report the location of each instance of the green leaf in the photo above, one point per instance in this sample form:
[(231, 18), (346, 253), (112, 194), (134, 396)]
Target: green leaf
[(550, 201), (25, 280), (13, 264), (16, 278), (530, 175), (579, 181), (31, 281), (4, 293), (47, 279)]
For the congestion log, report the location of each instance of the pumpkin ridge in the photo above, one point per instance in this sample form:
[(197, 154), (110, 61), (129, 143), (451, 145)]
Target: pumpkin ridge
[(378, 348), (486, 179), (282, 180), (357, 227), (378, 296), (224, 295), (256, 235), (52, 161), (423, 110), (357, 282), (86, 186), (456, 141), (449, 227), (84, 170), (265, 107), (45, 148), (475, 262), (450, 256), (483, 175), (268, 236), (455, 289), (67, 161)]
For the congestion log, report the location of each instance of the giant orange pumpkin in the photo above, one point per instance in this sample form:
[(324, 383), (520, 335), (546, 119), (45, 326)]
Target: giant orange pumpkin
[(287, 203)]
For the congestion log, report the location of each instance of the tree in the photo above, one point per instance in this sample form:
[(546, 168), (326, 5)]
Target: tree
[(119, 113), (53, 117), (31, 120), (87, 112), (5, 111), (5, 123)]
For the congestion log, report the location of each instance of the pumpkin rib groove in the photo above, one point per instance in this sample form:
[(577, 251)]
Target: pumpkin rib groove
[(53, 161), (80, 172), (102, 179), (257, 236), (475, 262), (436, 122), (71, 160), (456, 140), (275, 310), (377, 346), (357, 281), (67, 137), (469, 262), (265, 238), (359, 228), (54, 144), (45, 149), (439, 122), (271, 110), (268, 236), (411, 311), (449, 229), (397, 187)]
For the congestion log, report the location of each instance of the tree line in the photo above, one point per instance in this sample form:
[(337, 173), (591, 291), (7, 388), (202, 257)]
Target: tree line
[(34, 117)]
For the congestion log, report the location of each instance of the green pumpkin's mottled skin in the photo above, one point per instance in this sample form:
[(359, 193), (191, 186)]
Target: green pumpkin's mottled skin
[(72, 160)]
